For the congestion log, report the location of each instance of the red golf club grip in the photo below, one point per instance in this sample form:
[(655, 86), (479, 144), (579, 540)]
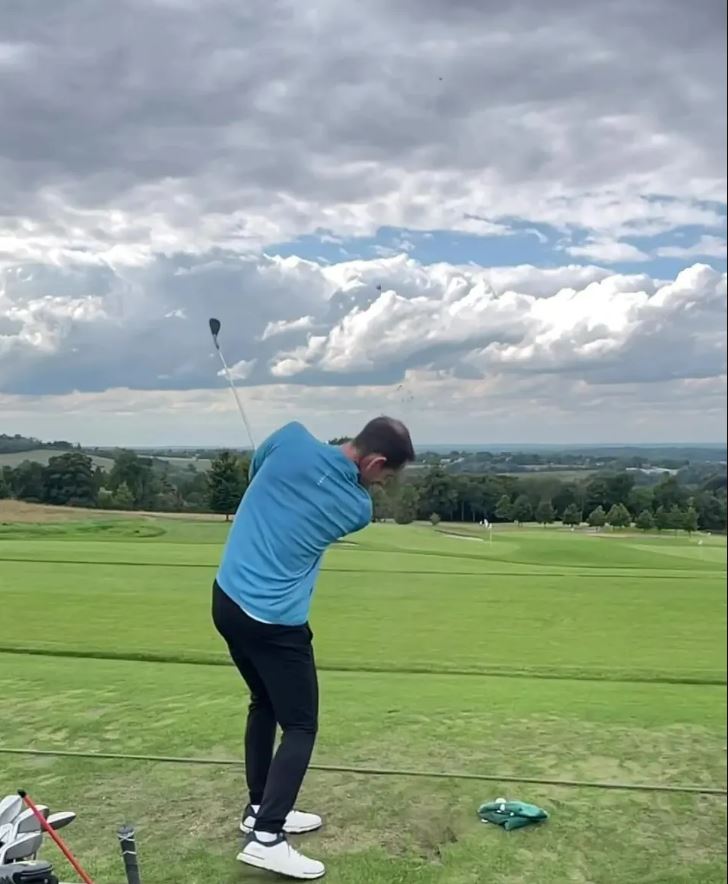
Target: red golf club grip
[(49, 831)]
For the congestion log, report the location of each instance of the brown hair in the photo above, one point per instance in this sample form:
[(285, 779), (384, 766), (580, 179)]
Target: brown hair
[(388, 437)]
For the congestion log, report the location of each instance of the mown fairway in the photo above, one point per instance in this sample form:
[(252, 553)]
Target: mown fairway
[(543, 654)]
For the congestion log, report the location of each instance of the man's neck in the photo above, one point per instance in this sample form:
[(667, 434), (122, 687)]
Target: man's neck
[(350, 452)]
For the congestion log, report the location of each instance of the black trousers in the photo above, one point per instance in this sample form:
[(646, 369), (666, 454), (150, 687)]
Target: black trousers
[(278, 666)]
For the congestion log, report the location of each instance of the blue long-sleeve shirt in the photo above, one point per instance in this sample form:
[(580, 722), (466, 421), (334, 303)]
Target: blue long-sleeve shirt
[(303, 496)]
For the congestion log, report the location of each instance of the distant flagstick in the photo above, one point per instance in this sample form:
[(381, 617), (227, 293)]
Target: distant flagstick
[(215, 331)]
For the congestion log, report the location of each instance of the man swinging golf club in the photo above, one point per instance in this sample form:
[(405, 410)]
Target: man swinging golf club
[(303, 496)]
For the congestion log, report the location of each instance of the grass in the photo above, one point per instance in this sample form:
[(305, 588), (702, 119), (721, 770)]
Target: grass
[(600, 631)]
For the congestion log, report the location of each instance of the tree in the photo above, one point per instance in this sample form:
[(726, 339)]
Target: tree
[(435, 520), (676, 518), (597, 493), (69, 479), (640, 499), (504, 509), (105, 499), (567, 496), (226, 484), (522, 509), (4, 488), (690, 519), (28, 481), (711, 510), (662, 518), (545, 513), (122, 498), (381, 503), (572, 515), (618, 516), (597, 517), (136, 473), (668, 493), (618, 488), (438, 493), (645, 521), (405, 506)]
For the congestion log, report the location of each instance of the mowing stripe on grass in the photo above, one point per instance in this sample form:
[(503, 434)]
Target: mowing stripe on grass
[(670, 574), (560, 673), (376, 772)]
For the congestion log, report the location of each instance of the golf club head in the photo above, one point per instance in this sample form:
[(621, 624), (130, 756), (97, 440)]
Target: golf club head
[(214, 329), (61, 819), (10, 807), (23, 847), (27, 821), (33, 872)]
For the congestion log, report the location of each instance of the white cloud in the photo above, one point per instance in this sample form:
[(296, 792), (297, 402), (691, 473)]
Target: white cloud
[(608, 251), (284, 326), (362, 322), (241, 370), (705, 247), (618, 327)]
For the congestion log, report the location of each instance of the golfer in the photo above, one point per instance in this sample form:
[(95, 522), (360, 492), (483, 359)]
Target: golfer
[(303, 496)]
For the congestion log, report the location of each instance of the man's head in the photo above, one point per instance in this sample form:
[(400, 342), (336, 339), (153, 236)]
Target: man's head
[(381, 450)]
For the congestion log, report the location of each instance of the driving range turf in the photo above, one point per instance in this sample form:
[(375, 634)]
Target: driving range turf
[(544, 654)]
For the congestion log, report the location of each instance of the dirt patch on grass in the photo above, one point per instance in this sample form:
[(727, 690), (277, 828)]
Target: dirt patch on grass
[(20, 511)]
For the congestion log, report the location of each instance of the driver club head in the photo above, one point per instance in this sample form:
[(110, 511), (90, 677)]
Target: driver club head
[(61, 819)]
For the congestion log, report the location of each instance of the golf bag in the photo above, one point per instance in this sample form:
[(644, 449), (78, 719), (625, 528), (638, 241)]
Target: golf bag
[(36, 872)]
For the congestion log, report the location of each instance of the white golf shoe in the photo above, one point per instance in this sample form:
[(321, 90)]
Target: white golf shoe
[(278, 856), (297, 822)]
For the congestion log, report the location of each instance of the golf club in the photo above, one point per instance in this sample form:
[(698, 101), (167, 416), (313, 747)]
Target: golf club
[(58, 840), (10, 807), (23, 847), (215, 331), (61, 819), (26, 822)]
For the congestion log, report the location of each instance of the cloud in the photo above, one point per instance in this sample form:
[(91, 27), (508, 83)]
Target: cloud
[(616, 328), (284, 326), (607, 117), (608, 251), (359, 322), (438, 408), (705, 247), (241, 370)]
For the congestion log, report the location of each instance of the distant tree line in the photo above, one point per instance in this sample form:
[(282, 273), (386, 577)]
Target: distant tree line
[(137, 482), (132, 483), (600, 500), (16, 443)]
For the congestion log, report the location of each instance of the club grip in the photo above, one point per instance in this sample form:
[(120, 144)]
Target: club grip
[(127, 842)]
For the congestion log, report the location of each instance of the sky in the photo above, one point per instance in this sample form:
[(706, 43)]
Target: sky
[(500, 222)]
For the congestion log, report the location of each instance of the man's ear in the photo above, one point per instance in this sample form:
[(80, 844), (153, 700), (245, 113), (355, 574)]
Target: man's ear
[(372, 460)]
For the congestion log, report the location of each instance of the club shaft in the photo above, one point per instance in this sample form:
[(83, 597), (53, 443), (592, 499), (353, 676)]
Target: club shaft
[(59, 841), (237, 397)]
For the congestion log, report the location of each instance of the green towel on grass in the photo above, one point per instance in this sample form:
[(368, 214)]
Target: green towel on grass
[(511, 814)]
